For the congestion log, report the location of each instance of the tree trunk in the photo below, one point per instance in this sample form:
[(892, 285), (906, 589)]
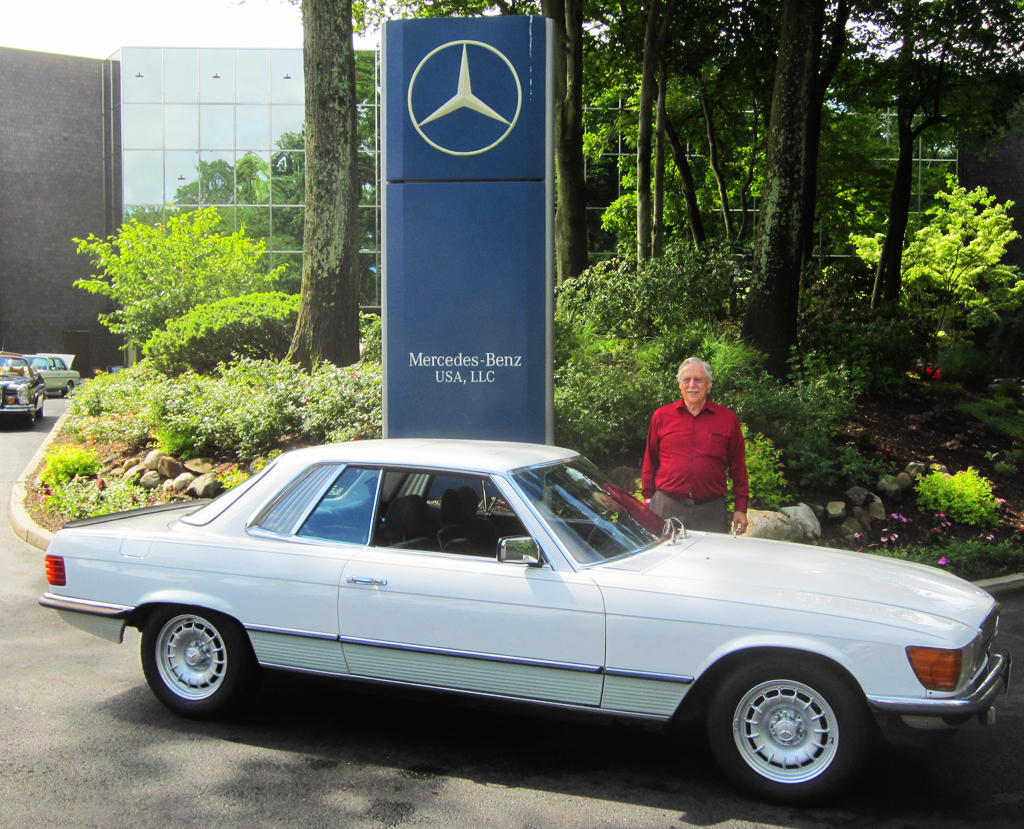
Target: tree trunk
[(715, 163), (658, 240), (686, 184), (889, 275), (770, 324), (643, 139), (571, 213), (829, 66), (328, 322)]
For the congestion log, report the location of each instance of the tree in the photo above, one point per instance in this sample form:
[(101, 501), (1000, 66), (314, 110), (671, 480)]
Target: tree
[(156, 273), (959, 64), (952, 268), (770, 324), (328, 323)]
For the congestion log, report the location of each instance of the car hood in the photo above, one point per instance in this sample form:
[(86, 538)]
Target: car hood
[(807, 579)]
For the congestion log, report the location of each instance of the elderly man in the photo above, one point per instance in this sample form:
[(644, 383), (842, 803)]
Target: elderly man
[(691, 445)]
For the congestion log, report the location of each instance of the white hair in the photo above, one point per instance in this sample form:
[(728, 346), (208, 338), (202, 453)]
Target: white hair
[(707, 368)]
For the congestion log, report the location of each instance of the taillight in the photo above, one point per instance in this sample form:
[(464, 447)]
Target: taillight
[(938, 669), (55, 574)]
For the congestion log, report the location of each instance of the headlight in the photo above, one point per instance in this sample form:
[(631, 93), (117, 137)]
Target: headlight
[(23, 394)]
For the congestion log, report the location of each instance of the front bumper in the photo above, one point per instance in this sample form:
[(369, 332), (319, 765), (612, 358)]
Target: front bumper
[(976, 698)]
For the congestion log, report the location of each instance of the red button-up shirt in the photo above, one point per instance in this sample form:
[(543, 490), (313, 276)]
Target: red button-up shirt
[(688, 455)]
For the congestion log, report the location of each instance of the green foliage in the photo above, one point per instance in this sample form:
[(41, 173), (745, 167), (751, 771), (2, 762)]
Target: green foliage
[(370, 337), (83, 498), (160, 272), (802, 418), (966, 366), (1010, 391), (622, 298), (605, 395), (764, 469), (342, 403), (66, 462), (952, 268), (965, 497), (991, 413), (970, 559), (1005, 468), (878, 346), (252, 407), (258, 326)]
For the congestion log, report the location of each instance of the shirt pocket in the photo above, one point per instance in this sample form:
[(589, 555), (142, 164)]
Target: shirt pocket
[(717, 446)]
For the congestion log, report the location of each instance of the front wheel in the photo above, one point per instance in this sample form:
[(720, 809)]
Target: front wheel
[(198, 663), (788, 730)]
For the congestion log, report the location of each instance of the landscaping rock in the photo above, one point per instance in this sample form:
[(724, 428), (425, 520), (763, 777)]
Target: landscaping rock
[(916, 470), (861, 516), (836, 510), (851, 529), (875, 509), (904, 481), (180, 483), (772, 525), (151, 480), (205, 486), (169, 467), (133, 471), (153, 458), (856, 495), (200, 466), (888, 487), (808, 521)]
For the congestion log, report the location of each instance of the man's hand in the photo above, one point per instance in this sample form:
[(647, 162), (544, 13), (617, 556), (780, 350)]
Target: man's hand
[(739, 523)]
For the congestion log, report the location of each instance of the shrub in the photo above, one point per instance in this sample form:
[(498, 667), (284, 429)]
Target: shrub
[(965, 497), (604, 399), (81, 499), (969, 367), (66, 462), (970, 559), (257, 326), (342, 403), (622, 298), (1006, 469), (370, 336), (801, 418), (764, 469)]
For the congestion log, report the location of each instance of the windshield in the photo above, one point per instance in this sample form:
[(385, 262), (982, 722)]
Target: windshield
[(14, 365), (594, 519)]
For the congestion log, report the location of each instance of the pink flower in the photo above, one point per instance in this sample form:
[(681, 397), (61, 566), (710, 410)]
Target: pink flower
[(943, 560)]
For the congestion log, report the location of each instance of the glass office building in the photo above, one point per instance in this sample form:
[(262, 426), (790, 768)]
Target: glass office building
[(223, 128)]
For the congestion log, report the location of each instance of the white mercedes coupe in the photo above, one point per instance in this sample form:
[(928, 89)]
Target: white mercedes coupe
[(520, 573)]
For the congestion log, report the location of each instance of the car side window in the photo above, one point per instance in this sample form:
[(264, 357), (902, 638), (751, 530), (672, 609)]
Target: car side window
[(345, 513)]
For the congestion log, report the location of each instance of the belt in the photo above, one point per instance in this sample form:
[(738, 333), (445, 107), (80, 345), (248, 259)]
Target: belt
[(690, 502)]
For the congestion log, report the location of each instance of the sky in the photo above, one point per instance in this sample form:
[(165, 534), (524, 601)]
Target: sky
[(98, 28)]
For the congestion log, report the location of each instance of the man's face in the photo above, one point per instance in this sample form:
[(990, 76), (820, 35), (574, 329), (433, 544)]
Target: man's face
[(693, 384)]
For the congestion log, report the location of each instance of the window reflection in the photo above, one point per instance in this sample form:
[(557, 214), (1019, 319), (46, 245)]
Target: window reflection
[(142, 126), (287, 123), (252, 76), (216, 178), (216, 75), (288, 178), (181, 75), (181, 170), (143, 177), (217, 127), (252, 179), (286, 78), (181, 127), (141, 76), (252, 127)]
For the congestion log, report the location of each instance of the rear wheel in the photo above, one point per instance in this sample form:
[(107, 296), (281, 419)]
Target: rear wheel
[(198, 663), (70, 387), (788, 730)]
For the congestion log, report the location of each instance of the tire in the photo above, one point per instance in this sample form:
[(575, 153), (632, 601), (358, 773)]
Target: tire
[(70, 387), (788, 729), (34, 414), (198, 663)]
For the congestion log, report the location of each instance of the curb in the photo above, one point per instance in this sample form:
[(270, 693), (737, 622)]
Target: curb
[(31, 533), (24, 527)]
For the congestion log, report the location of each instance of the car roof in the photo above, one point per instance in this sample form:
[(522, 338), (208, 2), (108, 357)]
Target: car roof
[(477, 455)]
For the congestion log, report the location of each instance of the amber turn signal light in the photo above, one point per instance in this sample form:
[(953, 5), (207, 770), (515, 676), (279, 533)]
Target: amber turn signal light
[(938, 669), (55, 574)]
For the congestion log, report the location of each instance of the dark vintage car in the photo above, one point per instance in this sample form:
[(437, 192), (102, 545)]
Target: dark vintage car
[(22, 389)]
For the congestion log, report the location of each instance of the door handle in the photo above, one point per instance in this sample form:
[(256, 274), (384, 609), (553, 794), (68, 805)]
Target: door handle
[(365, 580)]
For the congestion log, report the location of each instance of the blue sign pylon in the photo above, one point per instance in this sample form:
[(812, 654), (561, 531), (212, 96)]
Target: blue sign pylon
[(468, 207)]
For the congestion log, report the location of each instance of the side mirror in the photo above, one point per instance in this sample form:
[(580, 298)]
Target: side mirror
[(520, 550)]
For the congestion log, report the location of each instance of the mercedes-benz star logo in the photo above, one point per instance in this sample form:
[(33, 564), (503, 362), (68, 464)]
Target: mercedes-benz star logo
[(464, 98)]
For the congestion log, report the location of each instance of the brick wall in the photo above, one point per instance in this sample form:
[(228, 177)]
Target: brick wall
[(51, 191)]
